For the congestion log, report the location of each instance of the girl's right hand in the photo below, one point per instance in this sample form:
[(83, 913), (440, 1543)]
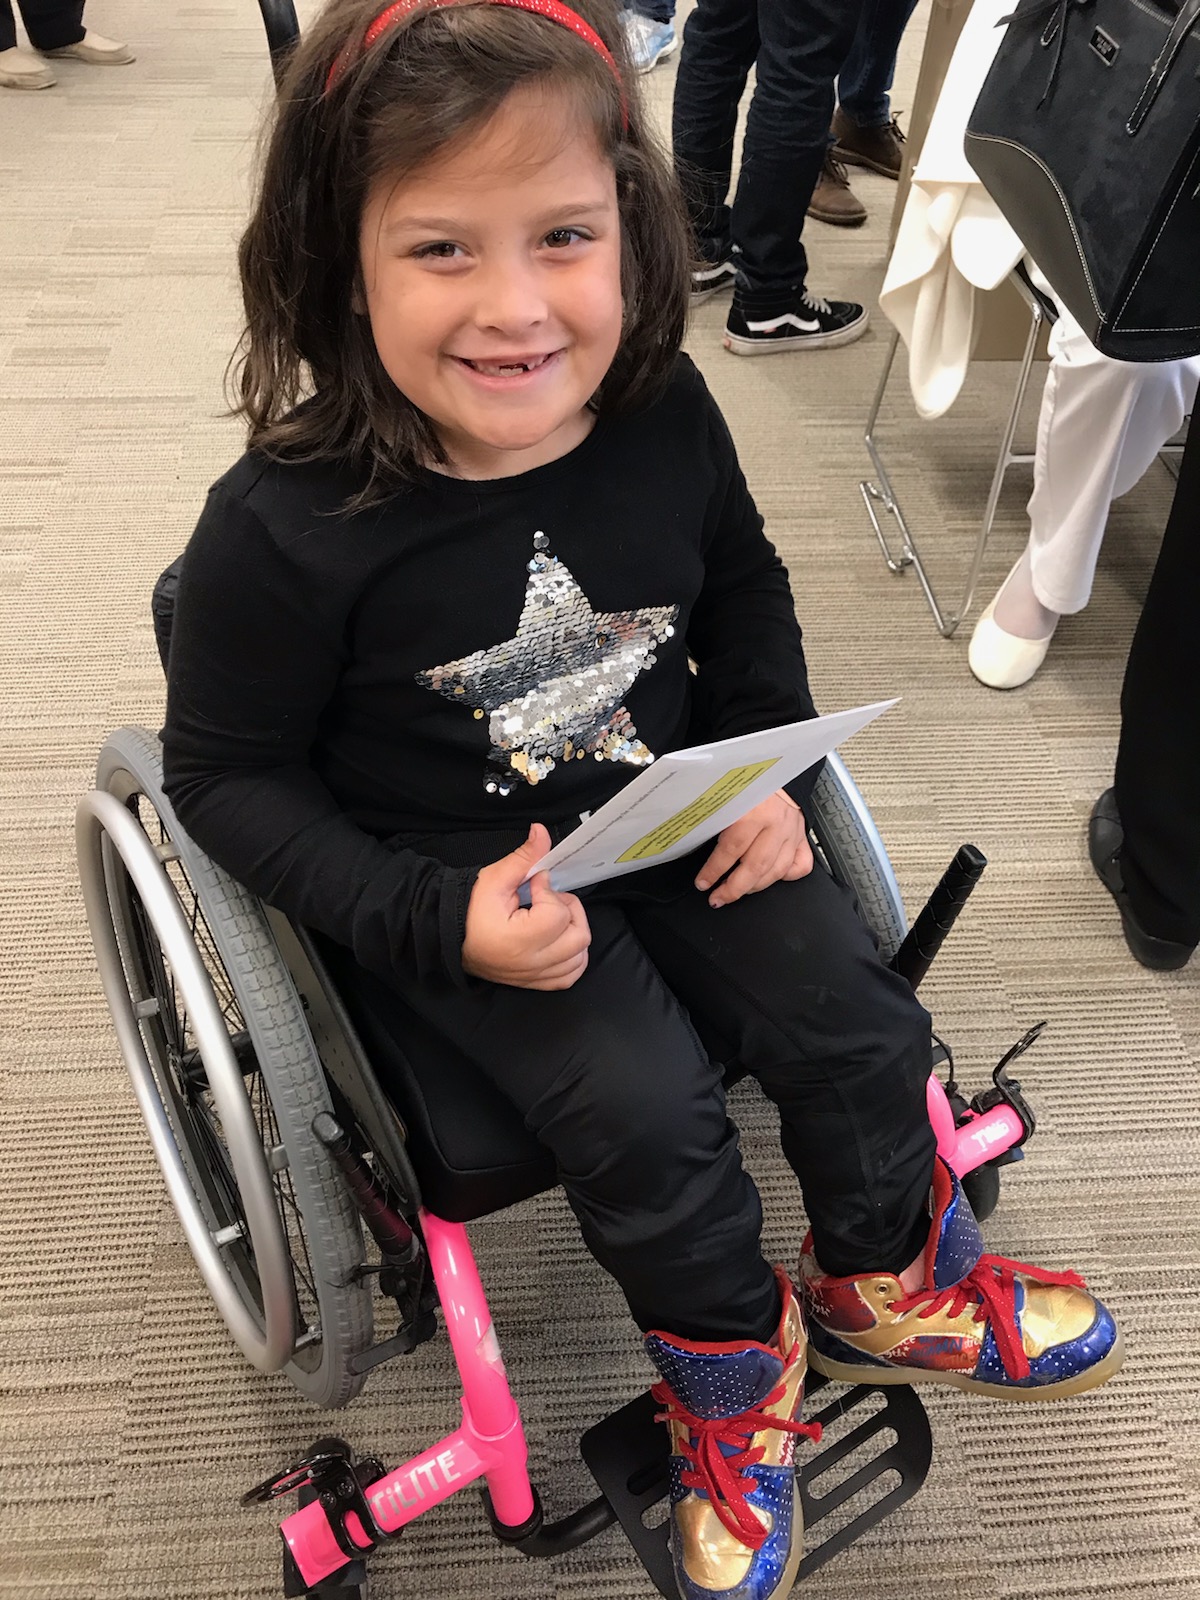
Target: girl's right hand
[(542, 946)]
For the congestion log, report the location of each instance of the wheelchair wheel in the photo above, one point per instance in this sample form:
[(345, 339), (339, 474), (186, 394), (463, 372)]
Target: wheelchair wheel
[(227, 1077), (851, 848)]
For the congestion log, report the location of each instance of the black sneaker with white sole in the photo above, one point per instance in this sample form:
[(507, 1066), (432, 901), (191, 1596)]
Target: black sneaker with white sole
[(806, 324), (710, 278)]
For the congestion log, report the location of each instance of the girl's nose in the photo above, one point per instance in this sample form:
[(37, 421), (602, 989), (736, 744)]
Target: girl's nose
[(510, 297)]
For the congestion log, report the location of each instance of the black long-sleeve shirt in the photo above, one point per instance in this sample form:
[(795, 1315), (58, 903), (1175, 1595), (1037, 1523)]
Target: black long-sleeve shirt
[(365, 707)]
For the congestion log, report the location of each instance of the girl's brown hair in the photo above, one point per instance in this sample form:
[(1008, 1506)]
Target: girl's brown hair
[(434, 80)]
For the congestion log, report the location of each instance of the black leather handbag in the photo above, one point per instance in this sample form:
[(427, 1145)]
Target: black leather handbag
[(1087, 136)]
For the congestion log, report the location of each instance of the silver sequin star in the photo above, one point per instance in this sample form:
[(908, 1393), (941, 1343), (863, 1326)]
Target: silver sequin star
[(554, 691)]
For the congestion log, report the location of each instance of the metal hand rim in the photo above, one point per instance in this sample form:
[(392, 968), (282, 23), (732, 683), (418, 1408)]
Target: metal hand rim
[(270, 1348)]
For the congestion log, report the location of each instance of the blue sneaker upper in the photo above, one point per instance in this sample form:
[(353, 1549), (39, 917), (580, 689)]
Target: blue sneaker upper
[(733, 1412), (979, 1321)]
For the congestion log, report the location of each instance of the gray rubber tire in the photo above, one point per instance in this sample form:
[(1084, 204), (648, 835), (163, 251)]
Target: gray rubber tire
[(855, 855), (130, 768)]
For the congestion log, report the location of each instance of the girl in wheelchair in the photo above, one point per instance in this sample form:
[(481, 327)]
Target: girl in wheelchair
[(445, 604)]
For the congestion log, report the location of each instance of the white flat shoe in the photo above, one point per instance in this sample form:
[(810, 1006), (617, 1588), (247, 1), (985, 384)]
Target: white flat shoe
[(21, 69), (1004, 660), (97, 51)]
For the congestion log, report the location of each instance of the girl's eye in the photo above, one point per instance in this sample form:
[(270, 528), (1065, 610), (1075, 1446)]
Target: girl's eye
[(439, 250), (560, 238)]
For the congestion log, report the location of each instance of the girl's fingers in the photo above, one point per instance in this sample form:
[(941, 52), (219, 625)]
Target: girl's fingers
[(785, 863), (730, 845), (561, 976), (752, 871), (567, 946), (771, 857), (552, 916), (802, 860)]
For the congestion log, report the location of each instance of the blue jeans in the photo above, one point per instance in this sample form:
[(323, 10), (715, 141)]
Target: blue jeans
[(868, 71), (657, 10), (797, 48)]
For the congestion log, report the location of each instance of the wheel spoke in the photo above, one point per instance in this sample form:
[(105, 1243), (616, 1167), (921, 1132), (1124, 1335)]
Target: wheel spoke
[(191, 1091), (293, 1220)]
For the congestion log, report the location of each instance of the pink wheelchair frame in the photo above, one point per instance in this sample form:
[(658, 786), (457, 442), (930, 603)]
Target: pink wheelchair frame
[(353, 1507), (489, 1443)]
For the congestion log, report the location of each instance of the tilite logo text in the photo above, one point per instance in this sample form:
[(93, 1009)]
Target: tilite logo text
[(984, 1137), (425, 1481)]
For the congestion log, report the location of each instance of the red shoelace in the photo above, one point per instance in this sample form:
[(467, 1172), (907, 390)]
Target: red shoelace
[(721, 1476), (992, 1282)]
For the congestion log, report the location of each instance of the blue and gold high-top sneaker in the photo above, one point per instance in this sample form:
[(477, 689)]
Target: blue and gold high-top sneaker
[(982, 1323), (734, 1415)]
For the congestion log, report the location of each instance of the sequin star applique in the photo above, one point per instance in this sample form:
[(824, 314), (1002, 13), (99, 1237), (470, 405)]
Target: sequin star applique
[(554, 691)]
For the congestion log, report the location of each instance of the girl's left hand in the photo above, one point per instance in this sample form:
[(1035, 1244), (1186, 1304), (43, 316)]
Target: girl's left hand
[(767, 844)]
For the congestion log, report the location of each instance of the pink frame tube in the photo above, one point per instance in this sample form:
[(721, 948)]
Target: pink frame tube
[(490, 1443), (981, 1137)]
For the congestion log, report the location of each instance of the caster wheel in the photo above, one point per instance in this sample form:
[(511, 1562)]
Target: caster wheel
[(982, 1189)]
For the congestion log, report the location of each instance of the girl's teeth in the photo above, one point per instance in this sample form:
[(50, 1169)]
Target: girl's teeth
[(493, 369)]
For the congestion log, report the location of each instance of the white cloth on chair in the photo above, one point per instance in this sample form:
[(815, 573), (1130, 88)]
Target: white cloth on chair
[(952, 239), (1102, 421)]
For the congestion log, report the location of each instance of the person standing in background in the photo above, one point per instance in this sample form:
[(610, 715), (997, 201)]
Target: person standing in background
[(796, 48), (864, 131), (1144, 834), (1101, 426), (54, 29), (649, 28)]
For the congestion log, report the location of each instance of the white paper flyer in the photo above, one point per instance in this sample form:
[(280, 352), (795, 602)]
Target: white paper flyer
[(689, 796)]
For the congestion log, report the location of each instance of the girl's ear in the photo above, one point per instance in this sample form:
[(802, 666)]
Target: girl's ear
[(358, 296)]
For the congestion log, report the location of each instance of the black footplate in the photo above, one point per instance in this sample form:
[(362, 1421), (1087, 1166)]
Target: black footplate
[(627, 1456)]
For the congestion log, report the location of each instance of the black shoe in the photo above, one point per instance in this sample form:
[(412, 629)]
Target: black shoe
[(807, 324), (710, 278), (1105, 838)]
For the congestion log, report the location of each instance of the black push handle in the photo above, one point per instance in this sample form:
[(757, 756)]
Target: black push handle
[(924, 938), (283, 33)]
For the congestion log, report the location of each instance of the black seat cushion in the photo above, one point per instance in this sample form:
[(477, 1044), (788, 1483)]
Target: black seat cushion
[(469, 1146)]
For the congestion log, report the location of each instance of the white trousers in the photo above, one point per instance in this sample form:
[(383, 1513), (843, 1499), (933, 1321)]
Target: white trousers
[(1102, 423)]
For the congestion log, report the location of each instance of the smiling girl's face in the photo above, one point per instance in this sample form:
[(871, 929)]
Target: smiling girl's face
[(493, 285)]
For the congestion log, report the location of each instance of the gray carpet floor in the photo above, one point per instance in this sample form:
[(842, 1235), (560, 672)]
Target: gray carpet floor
[(129, 1423)]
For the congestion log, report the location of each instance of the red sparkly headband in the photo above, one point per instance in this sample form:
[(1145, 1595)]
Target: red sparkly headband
[(554, 10)]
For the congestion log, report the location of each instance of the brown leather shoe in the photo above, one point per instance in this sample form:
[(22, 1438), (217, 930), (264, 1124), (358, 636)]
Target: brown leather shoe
[(881, 149), (834, 200)]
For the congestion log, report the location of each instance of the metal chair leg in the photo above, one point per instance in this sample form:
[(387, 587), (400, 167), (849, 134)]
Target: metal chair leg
[(885, 495), (882, 493)]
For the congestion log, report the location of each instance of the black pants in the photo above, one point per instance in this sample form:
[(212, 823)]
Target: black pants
[(1158, 759), (617, 1079), (49, 23), (798, 48)]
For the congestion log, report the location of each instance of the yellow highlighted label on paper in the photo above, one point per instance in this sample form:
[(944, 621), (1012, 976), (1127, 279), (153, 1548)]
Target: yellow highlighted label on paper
[(675, 828)]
